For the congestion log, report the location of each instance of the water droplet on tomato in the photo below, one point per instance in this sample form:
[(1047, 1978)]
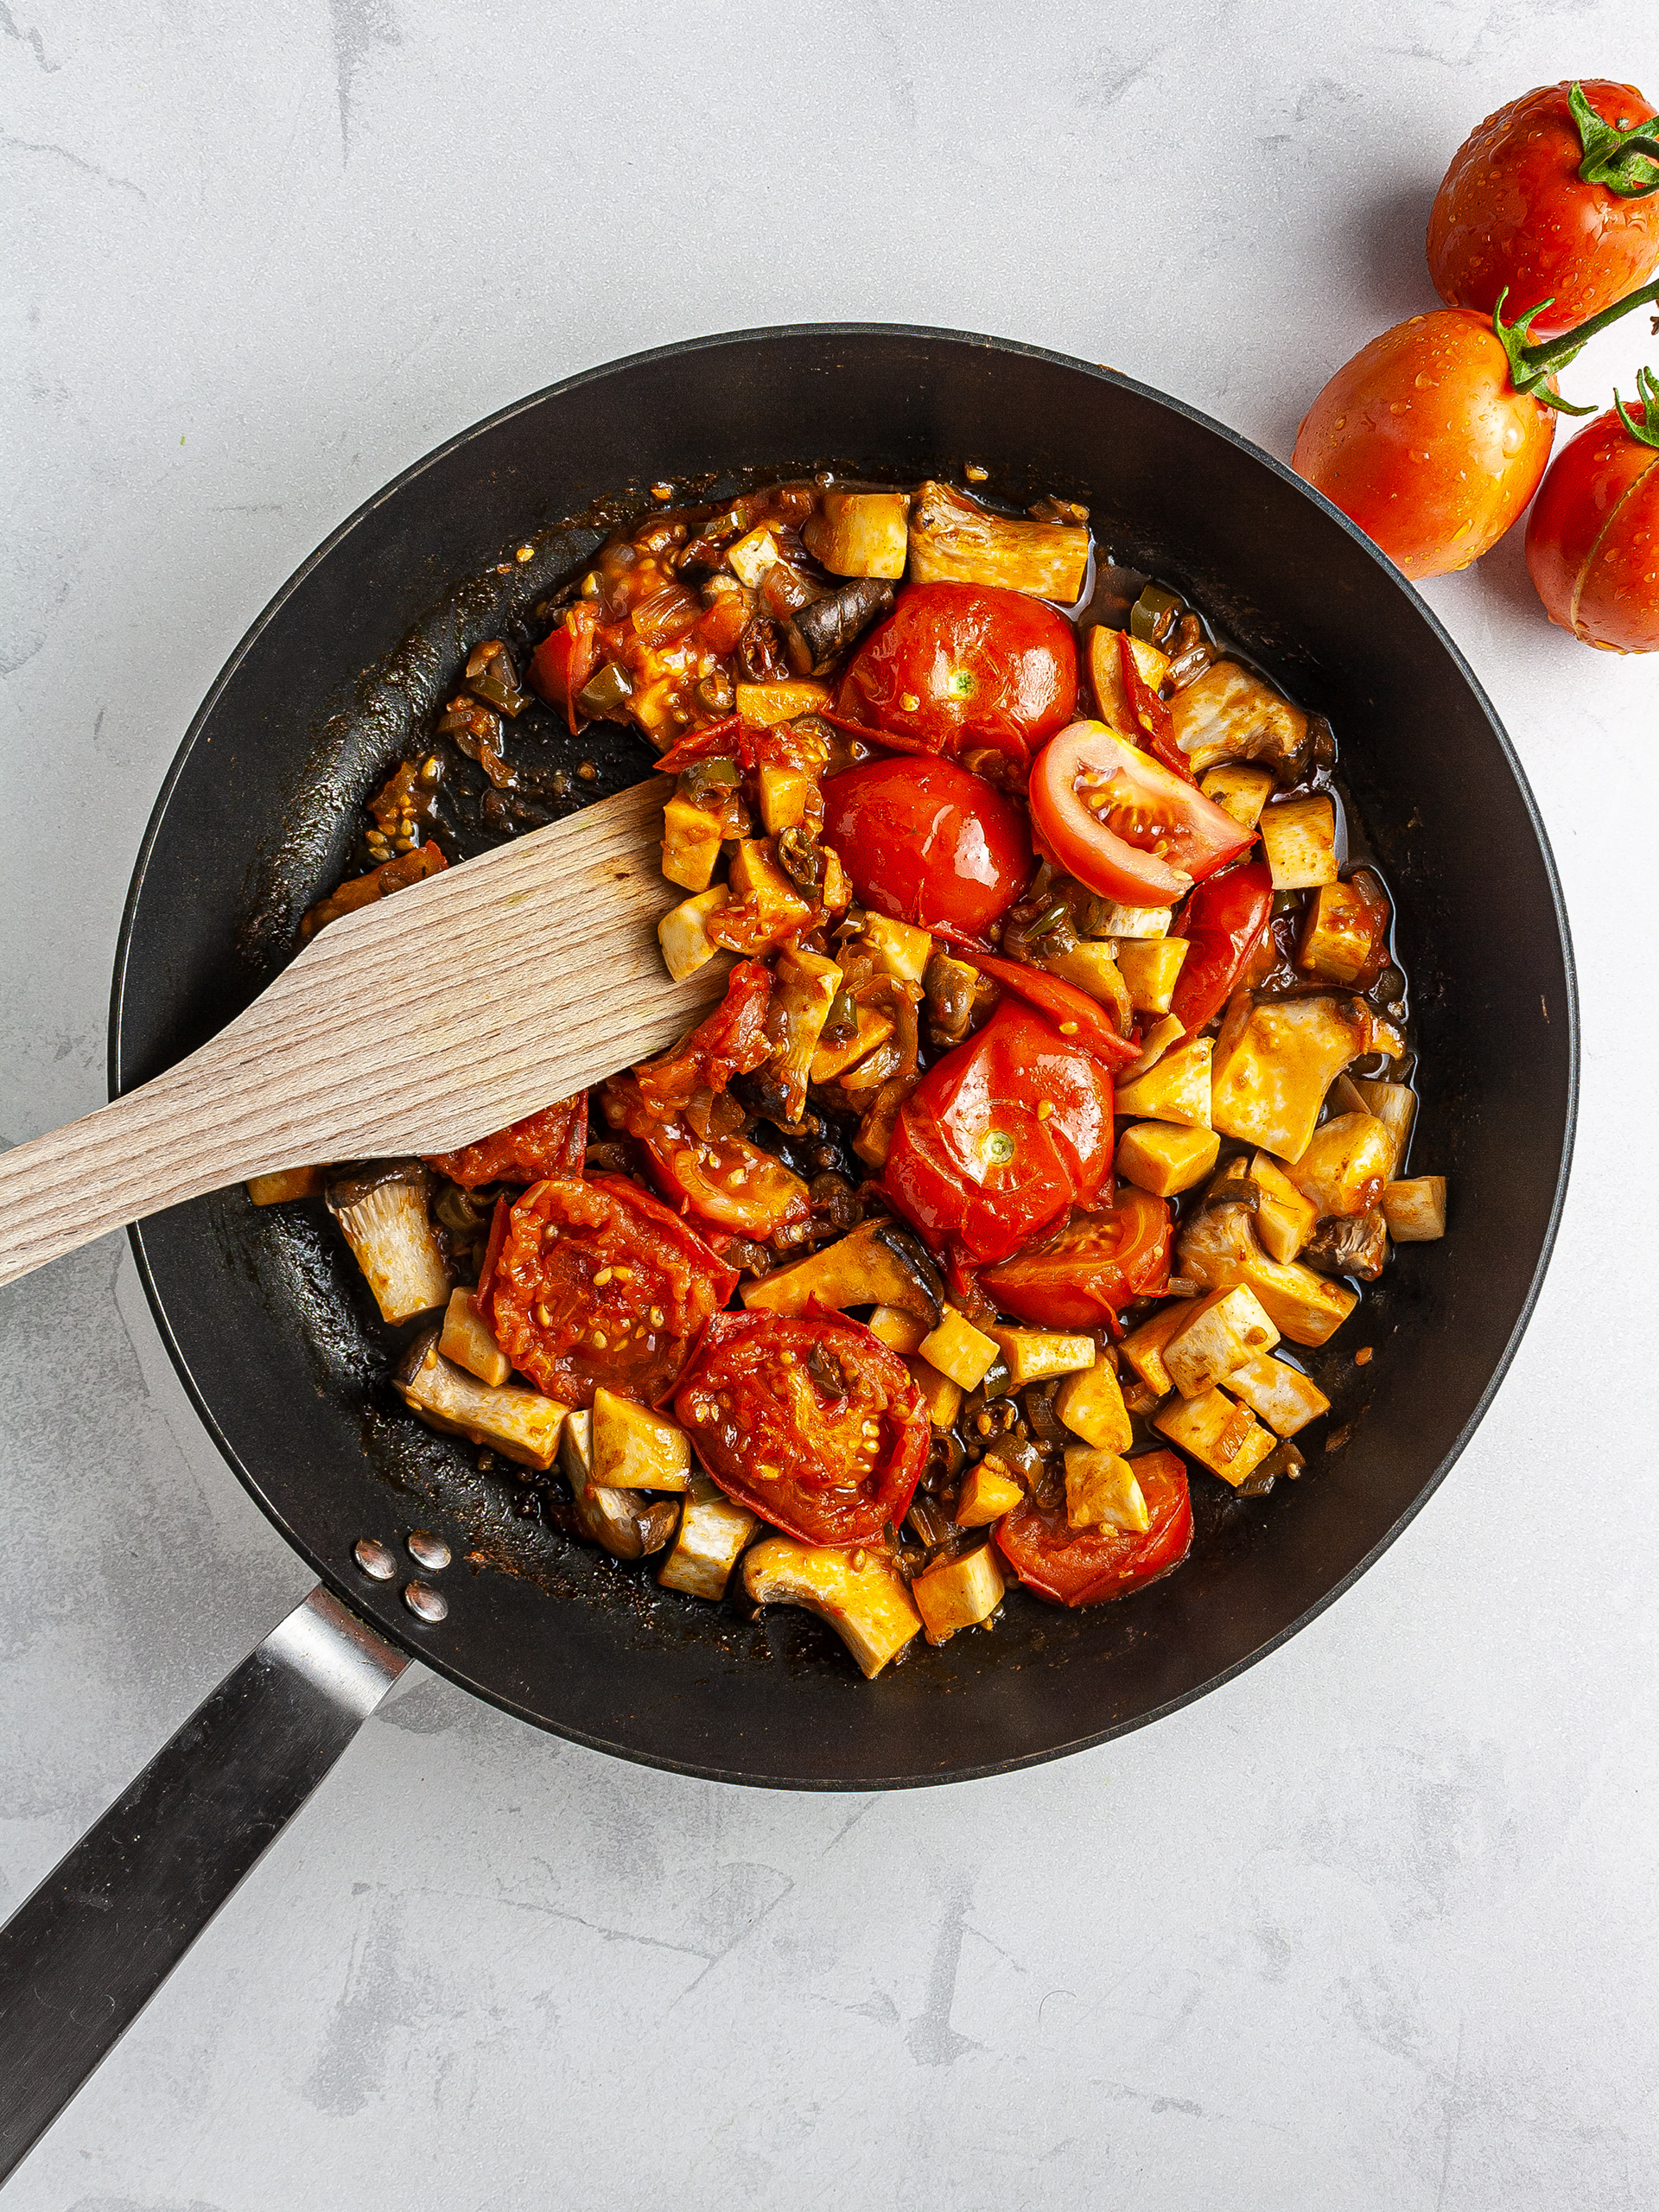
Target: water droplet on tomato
[(1399, 407), (1512, 438), (1424, 381)]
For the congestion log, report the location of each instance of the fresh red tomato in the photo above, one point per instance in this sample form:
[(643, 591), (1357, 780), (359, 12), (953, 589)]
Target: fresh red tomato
[(924, 841), (1084, 1567), (1592, 536), (564, 660), (551, 1142), (815, 1425), (1086, 1276), (1001, 1137), (1123, 823), (1073, 1013), (957, 666), (634, 1332), (1517, 213), (1222, 921), (1424, 442)]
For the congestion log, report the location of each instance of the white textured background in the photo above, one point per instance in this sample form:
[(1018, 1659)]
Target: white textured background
[(1373, 1926)]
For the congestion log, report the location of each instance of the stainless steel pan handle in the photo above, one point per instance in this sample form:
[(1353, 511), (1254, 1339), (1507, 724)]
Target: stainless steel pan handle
[(82, 1956)]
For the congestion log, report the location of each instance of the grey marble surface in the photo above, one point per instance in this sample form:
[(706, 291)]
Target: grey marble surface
[(1373, 1926)]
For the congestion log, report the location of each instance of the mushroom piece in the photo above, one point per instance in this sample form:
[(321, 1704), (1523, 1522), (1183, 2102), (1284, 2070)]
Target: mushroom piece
[(627, 1523), (713, 1532), (953, 540), (860, 1593), (875, 1264), (382, 1216), (520, 1424), (1219, 1249), (825, 627), (1350, 1244), (1227, 713)]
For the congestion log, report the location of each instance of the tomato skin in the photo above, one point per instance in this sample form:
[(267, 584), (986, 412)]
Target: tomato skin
[(550, 1142), (1086, 1567), (942, 1173), (1513, 210), (1422, 441), (983, 666), (755, 1397), (1222, 921), (1062, 1002), (927, 842), (1149, 800), (1593, 538), (595, 1225), (564, 660), (1084, 1277)]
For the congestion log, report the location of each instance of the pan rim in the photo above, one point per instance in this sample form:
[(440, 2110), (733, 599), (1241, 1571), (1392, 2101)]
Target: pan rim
[(327, 1572)]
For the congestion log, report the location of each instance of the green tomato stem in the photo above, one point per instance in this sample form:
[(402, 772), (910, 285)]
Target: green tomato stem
[(1644, 427), (1624, 161), (1531, 366)]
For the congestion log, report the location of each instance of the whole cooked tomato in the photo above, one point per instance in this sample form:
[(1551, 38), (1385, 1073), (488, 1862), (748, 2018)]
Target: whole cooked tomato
[(550, 1142), (927, 842), (1001, 1137), (1084, 1567), (1518, 212), (955, 667), (1086, 1276), (815, 1425), (596, 1283), (1423, 441), (1123, 823), (1222, 922), (1592, 536)]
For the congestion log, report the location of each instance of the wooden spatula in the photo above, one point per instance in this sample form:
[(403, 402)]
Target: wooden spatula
[(413, 1026)]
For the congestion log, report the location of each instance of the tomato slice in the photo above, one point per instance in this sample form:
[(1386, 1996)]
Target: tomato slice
[(1151, 711), (1073, 1013), (924, 841), (551, 1142), (731, 1041), (1123, 823), (1001, 1137), (1084, 1277), (957, 666), (634, 1332), (1085, 1566), (1222, 921), (815, 1424)]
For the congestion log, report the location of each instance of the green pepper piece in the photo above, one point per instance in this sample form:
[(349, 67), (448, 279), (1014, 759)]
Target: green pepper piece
[(1151, 613)]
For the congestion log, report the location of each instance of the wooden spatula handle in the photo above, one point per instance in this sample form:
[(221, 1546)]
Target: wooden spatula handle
[(168, 1141)]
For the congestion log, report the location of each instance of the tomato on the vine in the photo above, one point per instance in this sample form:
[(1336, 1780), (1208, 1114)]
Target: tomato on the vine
[(1223, 922), (1518, 213), (924, 841), (1124, 824), (1084, 1567), (1001, 1137), (960, 667), (1592, 536), (815, 1424), (597, 1283), (1424, 442), (1083, 1277)]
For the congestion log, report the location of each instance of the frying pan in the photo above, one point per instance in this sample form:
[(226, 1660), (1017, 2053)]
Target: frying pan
[(277, 1340)]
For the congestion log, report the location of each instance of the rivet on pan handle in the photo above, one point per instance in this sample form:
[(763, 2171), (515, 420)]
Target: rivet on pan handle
[(82, 1956)]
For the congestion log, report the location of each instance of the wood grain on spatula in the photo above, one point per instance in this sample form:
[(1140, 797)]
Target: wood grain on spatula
[(413, 1025)]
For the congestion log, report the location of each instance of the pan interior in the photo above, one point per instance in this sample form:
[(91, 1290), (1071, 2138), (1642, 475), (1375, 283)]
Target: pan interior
[(276, 1335)]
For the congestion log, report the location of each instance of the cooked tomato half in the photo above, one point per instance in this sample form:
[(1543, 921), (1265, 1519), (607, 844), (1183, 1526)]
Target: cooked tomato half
[(1123, 823), (1223, 922), (927, 842), (728, 1183), (597, 1282), (1073, 1013), (815, 1425), (551, 1142), (1087, 1273), (959, 666), (1084, 1567), (1001, 1137)]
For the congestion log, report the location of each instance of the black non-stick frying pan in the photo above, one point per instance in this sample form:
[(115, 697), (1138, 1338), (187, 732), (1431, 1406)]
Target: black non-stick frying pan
[(276, 1338)]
